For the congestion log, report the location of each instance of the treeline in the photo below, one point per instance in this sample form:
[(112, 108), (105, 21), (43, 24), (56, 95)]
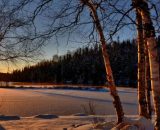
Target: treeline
[(85, 66), (5, 77)]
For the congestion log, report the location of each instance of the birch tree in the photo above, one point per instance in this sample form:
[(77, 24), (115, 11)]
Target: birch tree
[(141, 67), (147, 82), (149, 33), (109, 76), (143, 61)]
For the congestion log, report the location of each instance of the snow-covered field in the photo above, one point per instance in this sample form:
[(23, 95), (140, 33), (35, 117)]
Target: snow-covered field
[(29, 102), (26, 103)]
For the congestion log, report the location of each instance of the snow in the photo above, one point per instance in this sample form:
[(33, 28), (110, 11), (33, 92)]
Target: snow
[(29, 102), (60, 109), (140, 123), (73, 123)]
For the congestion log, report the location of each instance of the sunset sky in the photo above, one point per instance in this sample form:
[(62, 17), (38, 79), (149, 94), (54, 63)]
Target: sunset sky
[(63, 46), (52, 48)]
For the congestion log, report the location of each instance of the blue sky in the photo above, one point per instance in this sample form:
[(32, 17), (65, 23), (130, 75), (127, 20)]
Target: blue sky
[(76, 40)]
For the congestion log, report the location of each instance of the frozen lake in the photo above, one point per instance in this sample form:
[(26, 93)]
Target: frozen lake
[(28, 102)]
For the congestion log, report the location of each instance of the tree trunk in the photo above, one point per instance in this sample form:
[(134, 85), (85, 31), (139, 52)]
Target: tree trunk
[(141, 67), (153, 56), (147, 82), (109, 75)]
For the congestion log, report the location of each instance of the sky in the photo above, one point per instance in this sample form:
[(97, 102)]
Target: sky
[(52, 48), (62, 46)]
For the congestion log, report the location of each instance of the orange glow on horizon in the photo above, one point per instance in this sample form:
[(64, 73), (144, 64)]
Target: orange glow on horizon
[(8, 68)]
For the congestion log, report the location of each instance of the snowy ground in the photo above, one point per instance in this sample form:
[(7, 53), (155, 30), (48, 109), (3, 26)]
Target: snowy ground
[(29, 102)]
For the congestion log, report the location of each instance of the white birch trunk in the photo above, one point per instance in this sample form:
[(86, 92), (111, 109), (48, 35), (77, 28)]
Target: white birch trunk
[(141, 67), (153, 56), (109, 75)]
